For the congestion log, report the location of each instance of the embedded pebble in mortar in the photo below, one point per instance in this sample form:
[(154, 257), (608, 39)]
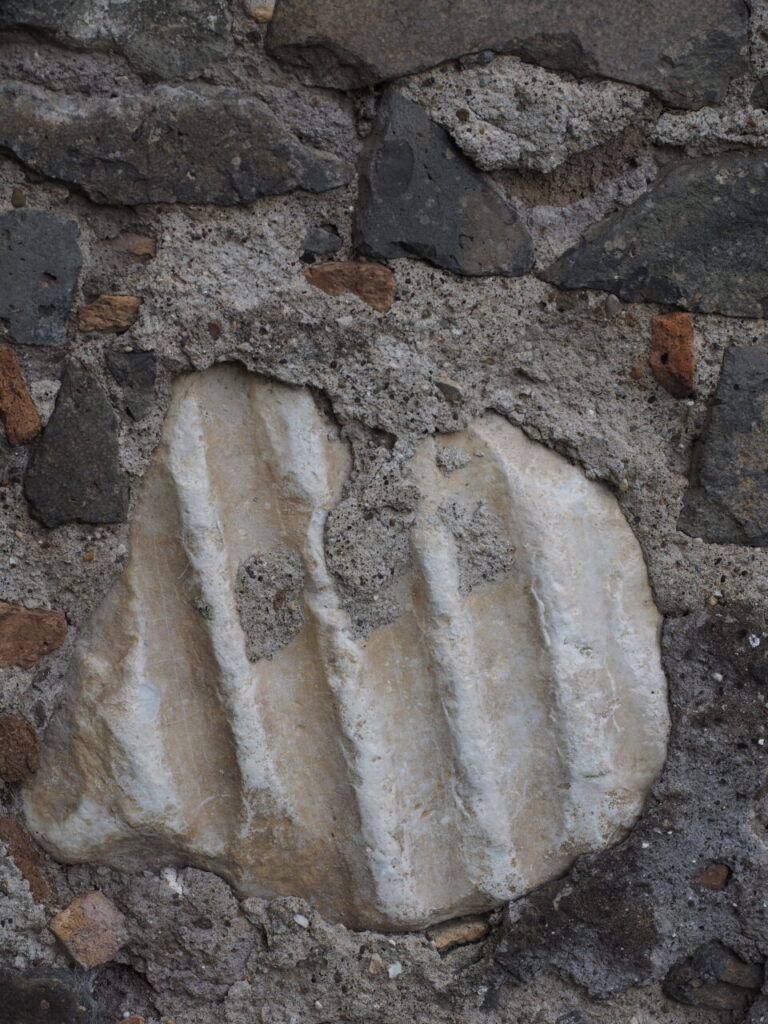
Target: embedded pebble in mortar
[(326, 818)]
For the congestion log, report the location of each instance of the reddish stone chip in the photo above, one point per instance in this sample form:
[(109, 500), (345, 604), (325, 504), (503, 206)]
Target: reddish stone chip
[(714, 877), (17, 409), (26, 634), (672, 358), (371, 282), (19, 749), (91, 929), (26, 856)]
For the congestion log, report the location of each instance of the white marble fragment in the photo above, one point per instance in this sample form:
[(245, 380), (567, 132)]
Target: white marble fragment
[(463, 754)]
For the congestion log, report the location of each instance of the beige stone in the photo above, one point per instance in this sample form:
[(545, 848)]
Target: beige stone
[(449, 934), (109, 313), (460, 755), (135, 245), (91, 929), (26, 634)]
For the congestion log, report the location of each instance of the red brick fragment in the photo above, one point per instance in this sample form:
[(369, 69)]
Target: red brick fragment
[(371, 282), (672, 358), (91, 929), (17, 409), (714, 877), (19, 749), (26, 634), (27, 857)]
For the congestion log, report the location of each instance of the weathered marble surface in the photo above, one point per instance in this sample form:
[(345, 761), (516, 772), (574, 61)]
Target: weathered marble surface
[(467, 751)]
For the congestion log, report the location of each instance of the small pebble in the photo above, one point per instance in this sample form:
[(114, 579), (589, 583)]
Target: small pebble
[(394, 970), (301, 920)]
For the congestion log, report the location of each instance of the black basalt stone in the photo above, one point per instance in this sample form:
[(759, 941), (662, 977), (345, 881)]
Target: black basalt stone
[(39, 266), (695, 239), (44, 997), (177, 144), (420, 197), (75, 473), (136, 371), (687, 60), (161, 38), (727, 501)]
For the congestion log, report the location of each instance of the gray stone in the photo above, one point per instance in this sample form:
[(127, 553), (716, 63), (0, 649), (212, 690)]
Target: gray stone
[(687, 61), (696, 239), (575, 1017), (713, 976), (136, 371), (727, 502), (161, 38), (322, 240), (75, 473), (173, 144), (43, 997), (420, 197), (39, 266)]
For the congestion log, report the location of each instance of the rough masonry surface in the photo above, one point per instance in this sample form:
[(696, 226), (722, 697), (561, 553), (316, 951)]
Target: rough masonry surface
[(385, 835)]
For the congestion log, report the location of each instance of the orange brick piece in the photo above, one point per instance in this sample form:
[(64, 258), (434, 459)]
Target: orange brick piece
[(458, 932), (371, 282), (27, 858), (91, 929), (17, 409), (109, 313), (26, 634), (672, 358), (19, 749)]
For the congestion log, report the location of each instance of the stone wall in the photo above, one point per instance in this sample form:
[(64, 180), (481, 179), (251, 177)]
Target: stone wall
[(419, 217)]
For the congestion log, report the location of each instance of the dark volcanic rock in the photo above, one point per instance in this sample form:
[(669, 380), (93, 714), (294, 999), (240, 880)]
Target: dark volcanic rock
[(420, 197), (688, 61), (44, 997), (727, 502), (161, 38), (696, 239), (39, 266), (715, 977), (172, 145), (136, 372), (75, 473), (322, 240), (627, 915)]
